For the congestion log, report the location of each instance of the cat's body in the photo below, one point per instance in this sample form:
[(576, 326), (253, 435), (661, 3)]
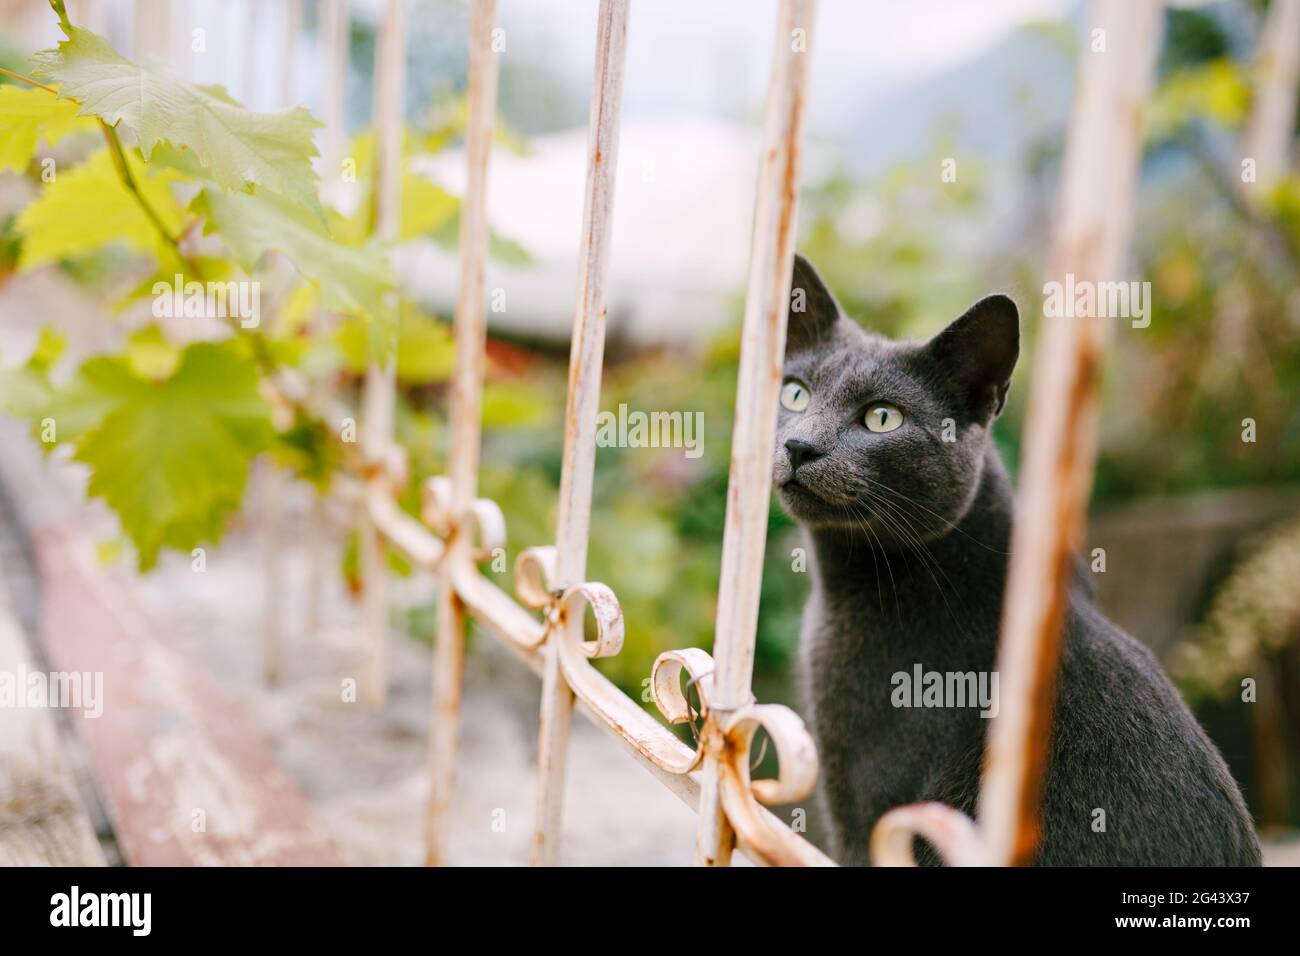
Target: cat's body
[(908, 533)]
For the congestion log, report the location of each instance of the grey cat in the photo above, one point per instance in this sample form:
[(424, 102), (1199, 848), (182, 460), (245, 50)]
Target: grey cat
[(883, 456)]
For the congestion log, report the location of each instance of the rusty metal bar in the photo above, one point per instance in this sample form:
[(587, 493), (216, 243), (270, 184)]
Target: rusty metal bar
[(586, 356), (380, 388), (466, 529), (271, 508), (465, 412), (411, 538), (91, 14), (1103, 151), (333, 32), (334, 50), (1267, 137), (292, 25), (273, 482), (762, 351), (315, 538), (153, 30)]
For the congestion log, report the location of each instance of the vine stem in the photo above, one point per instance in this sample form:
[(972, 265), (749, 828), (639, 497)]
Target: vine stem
[(28, 80), (128, 180), (261, 352)]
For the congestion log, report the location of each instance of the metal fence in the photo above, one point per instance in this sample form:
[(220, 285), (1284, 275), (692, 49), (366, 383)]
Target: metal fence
[(545, 623)]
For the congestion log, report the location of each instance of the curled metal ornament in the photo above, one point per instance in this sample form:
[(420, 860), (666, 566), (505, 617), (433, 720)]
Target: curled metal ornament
[(730, 734), (482, 521), (953, 834), (564, 613), (666, 683), (389, 470), (795, 752), (606, 612), (565, 610), (534, 572), (435, 505), (486, 526)]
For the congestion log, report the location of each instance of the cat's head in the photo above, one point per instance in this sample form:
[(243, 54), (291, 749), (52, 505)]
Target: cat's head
[(888, 437)]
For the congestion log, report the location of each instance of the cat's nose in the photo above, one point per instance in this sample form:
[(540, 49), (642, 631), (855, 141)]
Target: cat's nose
[(800, 452)]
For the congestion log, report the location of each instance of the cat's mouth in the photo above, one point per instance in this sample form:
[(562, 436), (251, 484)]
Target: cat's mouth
[(805, 505), (799, 491)]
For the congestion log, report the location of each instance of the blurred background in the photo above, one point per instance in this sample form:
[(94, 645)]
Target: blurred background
[(1200, 530)]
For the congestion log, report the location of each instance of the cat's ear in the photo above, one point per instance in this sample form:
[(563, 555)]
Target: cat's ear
[(977, 353), (813, 310)]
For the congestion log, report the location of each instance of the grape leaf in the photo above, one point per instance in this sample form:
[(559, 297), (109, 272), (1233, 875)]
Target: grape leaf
[(353, 280), (29, 116), (25, 389), (426, 351), (88, 207), (170, 457), (426, 206), (238, 147)]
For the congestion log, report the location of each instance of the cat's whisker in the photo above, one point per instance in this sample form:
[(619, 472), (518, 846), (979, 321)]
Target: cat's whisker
[(913, 539), (855, 520), (893, 584), (949, 524), (927, 559), (919, 545), (852, 519)]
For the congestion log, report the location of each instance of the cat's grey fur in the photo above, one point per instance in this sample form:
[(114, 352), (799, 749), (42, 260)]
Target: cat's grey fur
[(908, 537)]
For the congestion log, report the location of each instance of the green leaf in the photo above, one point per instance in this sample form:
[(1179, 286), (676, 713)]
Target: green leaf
[(352, 280), (426, 351), (50, 346), (426, 206), (514, 405), (426, 209), (238, 147), (170, 457), (150, 356), (501, 248), (88, 207), (28, 116), (308, 449), (24, 392), (1218, 91)]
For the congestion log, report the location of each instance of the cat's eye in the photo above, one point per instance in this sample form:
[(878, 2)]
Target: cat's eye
[(882, 417), (794, 396)]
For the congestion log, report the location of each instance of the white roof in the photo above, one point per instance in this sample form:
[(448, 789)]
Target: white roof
[(682, 211)]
